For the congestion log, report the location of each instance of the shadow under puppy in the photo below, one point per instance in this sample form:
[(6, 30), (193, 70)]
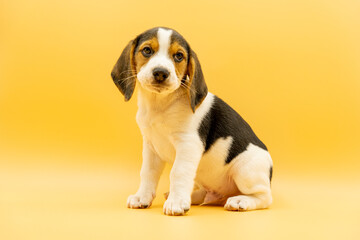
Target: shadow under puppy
[(216, 157)]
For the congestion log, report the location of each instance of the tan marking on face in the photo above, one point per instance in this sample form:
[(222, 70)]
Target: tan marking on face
[(140, 59), (180, 67)]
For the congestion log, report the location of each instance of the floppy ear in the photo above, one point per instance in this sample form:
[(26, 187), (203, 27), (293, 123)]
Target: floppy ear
[(123, 73), (197, 86)]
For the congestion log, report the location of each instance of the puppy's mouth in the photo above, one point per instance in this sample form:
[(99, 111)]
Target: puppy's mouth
[(156, 87)]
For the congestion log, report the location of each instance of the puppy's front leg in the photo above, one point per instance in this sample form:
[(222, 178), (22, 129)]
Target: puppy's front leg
[(151, 170), (182, 177)]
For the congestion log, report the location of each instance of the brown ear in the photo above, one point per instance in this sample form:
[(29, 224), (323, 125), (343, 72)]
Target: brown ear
[(123, 73), (197, 86)]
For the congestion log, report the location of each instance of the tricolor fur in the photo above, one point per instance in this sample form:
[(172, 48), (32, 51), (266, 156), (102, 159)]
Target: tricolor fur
[(216, 157)]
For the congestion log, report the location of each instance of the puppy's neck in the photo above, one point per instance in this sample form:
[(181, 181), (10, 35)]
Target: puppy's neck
[(160, 102)]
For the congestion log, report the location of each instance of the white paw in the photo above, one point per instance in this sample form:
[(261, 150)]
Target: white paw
[(239, 203), (139, 201), (176, 206)]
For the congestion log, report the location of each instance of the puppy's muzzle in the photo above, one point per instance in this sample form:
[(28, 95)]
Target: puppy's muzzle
[(160, 74)]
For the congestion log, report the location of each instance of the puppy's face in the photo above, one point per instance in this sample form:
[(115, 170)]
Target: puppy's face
[(162, 61), (160, 58)]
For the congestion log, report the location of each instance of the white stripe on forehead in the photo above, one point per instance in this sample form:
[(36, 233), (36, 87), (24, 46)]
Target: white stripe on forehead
[(164, 37)]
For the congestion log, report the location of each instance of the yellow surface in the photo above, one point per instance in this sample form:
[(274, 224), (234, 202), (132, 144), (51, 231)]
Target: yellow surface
[(70, 150)]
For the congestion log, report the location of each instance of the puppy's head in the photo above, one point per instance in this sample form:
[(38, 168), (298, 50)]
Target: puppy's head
[(162, 61)]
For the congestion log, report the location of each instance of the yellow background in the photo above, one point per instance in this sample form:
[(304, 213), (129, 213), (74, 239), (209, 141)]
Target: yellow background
[(70, 150)]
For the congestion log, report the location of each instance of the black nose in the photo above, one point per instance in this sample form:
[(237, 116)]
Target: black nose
[(160, 74)]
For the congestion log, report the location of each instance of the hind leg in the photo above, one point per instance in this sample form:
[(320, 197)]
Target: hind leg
[(251, 174)]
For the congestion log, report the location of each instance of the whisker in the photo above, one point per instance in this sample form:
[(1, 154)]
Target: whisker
[(127, 71), (188, 87), (182, 84), (124, 79)]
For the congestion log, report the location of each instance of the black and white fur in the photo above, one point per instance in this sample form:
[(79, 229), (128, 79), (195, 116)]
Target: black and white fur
[(216, 157)]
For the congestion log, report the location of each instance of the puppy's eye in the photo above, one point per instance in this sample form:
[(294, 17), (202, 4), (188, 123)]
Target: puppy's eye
[(178, 57), (147, 51)]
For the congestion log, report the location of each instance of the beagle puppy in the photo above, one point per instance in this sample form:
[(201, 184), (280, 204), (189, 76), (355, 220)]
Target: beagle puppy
[(216, 157)]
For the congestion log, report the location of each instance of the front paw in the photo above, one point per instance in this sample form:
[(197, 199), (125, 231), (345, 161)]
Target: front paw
[(139, 201), (176, 206)]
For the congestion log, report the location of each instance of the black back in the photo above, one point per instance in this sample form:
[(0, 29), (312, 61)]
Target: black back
[(222, 121)]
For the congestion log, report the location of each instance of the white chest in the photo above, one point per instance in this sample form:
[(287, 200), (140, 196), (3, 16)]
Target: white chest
[(155, 128)]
